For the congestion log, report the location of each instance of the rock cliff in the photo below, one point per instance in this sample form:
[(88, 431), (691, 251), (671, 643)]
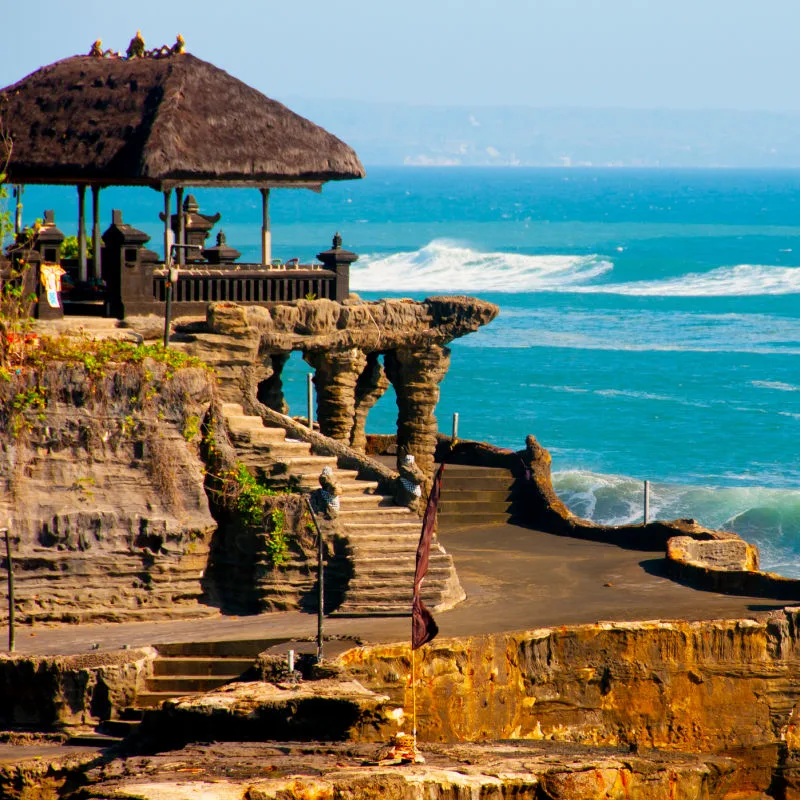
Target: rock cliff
[(101, 478)]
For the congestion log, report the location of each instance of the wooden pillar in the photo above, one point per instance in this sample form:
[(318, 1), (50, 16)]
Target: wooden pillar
[(97, 266), (18, 189), (167, 194), (83, 269), (266, 233), (181, 225)]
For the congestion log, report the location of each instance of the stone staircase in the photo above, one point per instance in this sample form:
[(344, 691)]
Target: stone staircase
[(181, 669), (382, 537), (188, 668), (475, 496)]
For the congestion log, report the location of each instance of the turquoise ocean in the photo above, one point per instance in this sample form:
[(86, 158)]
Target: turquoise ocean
[(649, 321)]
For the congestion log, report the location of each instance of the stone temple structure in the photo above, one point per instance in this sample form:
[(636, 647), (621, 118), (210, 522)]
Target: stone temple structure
[(357, 350)]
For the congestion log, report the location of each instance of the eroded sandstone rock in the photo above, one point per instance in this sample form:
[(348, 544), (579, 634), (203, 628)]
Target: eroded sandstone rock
[(523, 771)]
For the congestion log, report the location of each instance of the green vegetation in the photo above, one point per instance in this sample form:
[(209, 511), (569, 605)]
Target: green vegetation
[(70, 249), (248, 497), (96, 355), (278, 541), (250, 494)]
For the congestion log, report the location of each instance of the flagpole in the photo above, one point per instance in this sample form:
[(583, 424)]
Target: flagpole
[(414, 695)]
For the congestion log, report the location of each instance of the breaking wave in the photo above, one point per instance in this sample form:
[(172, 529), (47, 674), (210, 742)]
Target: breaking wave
[(769, 518), (443, 266), (739, 281)]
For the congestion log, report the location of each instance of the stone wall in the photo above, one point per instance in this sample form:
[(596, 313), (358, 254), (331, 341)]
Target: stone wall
[(104, 488), (46, 692), (701, 687)]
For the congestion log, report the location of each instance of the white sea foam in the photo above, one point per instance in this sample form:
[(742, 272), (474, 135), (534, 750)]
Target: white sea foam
[(739, 281), (443, 266), (769, 518), (778, 386)]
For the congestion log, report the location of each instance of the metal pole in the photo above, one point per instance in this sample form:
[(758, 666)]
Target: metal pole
[(455, 426), (10, 566), (320, 581), (646, 502), (310, 382)]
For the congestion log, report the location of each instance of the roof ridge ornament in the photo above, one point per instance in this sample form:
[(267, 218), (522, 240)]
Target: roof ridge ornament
[(136, 49)]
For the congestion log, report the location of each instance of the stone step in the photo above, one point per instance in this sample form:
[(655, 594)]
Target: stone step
[(266, 436), (378, 528), (187, 684), (452, 521), (244, 422), (359, 609), (283, 450), (389, 567), (306, 465), (155, 699), (458, 484), (225, 648), (378, 514), (201, 666), (453, 499), (359, 501), (121, 728), (387, 590), (232, 409), (452, 471), (461, 509), (357, 488), (94, 739)]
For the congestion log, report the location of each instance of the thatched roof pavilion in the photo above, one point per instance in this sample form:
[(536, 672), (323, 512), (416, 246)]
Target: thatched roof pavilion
[(163, 119)]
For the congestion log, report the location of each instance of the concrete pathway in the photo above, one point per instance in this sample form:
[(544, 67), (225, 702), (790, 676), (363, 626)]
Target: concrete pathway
[(515, 579)]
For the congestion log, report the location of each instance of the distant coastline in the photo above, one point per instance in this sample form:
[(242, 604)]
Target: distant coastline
[(392, 134)]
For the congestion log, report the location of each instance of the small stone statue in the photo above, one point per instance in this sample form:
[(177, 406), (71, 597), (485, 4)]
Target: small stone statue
[(97, 49), (326, 499), (136, 46), (411, 477)]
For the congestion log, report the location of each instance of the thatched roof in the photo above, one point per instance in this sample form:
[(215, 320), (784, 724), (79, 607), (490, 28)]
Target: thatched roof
[(160, 122)]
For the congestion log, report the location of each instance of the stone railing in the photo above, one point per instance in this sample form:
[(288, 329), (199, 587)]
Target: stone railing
[(137, 283), (246, 284)]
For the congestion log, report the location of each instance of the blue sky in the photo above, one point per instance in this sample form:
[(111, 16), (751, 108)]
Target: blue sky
[(733, 54)]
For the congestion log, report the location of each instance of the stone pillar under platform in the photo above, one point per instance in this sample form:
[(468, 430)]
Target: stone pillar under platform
[(370, 387), (270, 388), (336, 376), (416, 374)]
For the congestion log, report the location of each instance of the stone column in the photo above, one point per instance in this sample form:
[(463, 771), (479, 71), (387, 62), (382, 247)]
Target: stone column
[(370, 387), (416, 374), (270, 390), (335, 378)]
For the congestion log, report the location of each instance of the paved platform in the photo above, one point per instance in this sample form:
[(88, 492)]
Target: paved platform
[(515, 579)]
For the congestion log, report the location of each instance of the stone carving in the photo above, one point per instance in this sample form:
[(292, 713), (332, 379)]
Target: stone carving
[(411, 479), (326, 498)]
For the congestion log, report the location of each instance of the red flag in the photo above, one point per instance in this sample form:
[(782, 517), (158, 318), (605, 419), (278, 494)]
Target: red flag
[(423, 626)]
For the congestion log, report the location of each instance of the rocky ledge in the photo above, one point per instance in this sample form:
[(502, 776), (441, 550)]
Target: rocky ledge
[(521, 770)]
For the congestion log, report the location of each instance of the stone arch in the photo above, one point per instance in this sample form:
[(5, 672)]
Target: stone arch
[(269, 391), (371, 385)]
